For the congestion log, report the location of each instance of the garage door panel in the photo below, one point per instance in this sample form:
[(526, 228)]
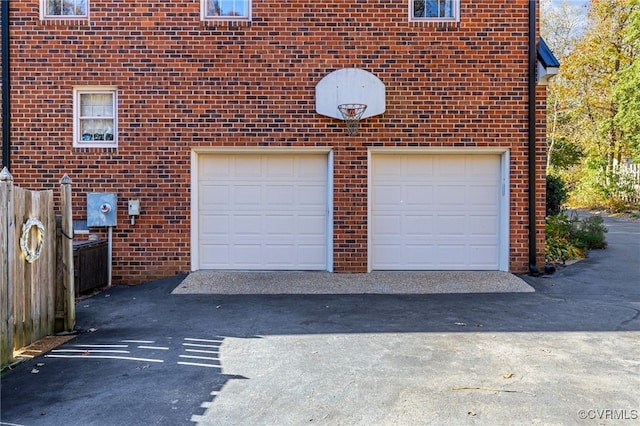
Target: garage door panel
[(212, 195), (311, 195), (450, 195), (387, 225), (483, 195), (448, 226), (266, 212), (484, 166), (279, 167), (283, 225), (451, 256), (311, 226), (212, 253), (278, 195), (483, 254), (387, 195), (279, 254), (417, 254), (211, 168), (451, 166), (418, 195), (247, 195), (419, 226), (245, 226), (245, 252), (418, 168), (391, 166), (215, 225), (445, 219), (246, 167), (309, 168), (310, 252), (483, 225), (388, 255)]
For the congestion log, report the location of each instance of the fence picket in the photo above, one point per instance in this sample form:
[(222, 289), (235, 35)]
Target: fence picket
[(28, 290), (6, 268), (21, 283), (48, 297)]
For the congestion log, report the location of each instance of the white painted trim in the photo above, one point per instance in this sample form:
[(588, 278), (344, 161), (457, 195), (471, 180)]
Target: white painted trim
[(204, 17), (260, 150), (503, 208), (438, 150), (370, 152), (94, 88), (80, 90), (455, 18), (544, 74), (329, 226), (195, 255), (196, 151), (45, 16), (504, 219)]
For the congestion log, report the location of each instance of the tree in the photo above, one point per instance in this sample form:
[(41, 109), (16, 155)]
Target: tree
[(626, 91), (596, 97), (561, 27)]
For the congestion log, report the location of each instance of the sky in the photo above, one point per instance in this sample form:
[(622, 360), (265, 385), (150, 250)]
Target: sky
[(577, 6), (576, 3), (571, 2)]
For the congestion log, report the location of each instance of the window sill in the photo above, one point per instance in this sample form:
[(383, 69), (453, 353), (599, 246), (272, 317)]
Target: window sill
[(66, 21), (446, 23), (226, 23), (85, 147)]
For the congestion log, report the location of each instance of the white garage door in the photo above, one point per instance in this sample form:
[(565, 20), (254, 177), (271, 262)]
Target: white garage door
[(435, 212), (262, 212)]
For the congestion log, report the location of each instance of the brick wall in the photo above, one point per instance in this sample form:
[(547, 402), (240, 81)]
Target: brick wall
[(183, 83)]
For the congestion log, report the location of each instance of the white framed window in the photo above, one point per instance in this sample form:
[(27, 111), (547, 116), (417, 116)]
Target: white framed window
[(239, 10), (67, 9), (434, 10), (95, 120)]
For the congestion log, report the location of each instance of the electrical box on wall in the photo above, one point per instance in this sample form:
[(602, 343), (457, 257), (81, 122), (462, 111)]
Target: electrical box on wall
[(101, 209), (134, 207)]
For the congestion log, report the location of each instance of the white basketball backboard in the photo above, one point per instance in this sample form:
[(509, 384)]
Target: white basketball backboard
[(349, 86)]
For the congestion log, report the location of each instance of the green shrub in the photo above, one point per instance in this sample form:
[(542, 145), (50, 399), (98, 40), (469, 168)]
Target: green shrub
[(589, 233), (559, 245), (571, 238), (556, 195)]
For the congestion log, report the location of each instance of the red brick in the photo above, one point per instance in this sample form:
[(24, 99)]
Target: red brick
[(184, 83)]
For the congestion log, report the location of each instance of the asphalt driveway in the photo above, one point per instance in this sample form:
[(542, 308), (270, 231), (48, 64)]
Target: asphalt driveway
[(568, 353)]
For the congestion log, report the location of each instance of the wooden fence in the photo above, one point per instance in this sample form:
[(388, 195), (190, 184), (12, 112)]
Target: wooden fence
[(36, 290)]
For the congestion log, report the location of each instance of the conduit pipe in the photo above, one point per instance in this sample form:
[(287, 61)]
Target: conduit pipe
[(6, 88), (533, 62)]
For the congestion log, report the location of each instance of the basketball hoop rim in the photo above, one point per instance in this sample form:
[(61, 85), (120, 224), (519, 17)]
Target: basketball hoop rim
[(358, 110)]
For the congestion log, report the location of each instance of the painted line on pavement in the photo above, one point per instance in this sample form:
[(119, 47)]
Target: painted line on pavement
[(125, 358)]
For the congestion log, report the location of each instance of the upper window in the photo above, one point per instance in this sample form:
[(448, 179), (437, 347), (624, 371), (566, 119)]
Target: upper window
[(226, 9), (64, 8), (95, 119), (435, 10)]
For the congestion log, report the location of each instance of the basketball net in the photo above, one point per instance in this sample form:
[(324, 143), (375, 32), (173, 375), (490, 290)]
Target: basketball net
[(351, 113)]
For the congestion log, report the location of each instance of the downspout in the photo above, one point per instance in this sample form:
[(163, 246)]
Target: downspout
[(533, 269), (6, 88)]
